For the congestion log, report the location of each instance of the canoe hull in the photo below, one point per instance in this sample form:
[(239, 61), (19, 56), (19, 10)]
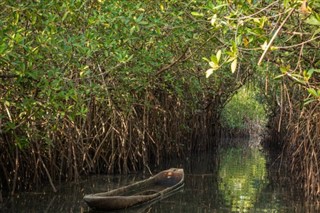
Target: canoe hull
[(145, 191), (117, 202)]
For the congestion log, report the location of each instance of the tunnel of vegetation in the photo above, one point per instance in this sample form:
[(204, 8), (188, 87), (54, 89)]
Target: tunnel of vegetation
[(116, 86)]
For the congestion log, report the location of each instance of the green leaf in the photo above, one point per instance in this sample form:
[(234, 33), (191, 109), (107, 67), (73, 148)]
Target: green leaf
[(132, 29), (278, 76), (207, 60), (65, 15), (139, 18), (273, 48), (313, 92), (3, 47), (284, 69), (316, 32), (197, 14), (311, 71), (308, 101), (214, 59), (143, 22), (286, 3), (313, 20)]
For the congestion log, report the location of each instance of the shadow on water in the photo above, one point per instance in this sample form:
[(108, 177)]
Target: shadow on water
[(231, 179)]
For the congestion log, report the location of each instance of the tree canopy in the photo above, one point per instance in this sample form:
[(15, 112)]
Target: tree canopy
[(114, 86), (279, 41)]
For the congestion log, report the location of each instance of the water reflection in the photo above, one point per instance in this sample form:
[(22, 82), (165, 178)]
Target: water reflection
[(242, 177), (229, 180)]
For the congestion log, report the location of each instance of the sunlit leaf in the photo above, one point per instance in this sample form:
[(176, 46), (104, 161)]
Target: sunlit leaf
[(263, 21), (213, 19), (297, 77), (264, 45), (218, 55), (234, 65), (161, 7), (231, 59), (256, 20), (209, 72), (214, 65), (197, 14), (273, 48)]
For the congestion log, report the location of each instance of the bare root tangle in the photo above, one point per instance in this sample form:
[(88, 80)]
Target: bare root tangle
[(95, 102), (306, 147), (302, 146), (113, 139), (298, 140)]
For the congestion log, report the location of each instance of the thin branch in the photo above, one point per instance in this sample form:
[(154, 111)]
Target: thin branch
[(48, 175), (300, 44), (254, 14), (274, 36), (161, 70)]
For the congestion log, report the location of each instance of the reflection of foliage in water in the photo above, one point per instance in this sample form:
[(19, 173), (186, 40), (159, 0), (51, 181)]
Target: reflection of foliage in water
[(243, 176)]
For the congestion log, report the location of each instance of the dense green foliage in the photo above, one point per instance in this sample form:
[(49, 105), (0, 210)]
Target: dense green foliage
[(244, 110), (65, 55), (102, 86), (279, 41), (114, 86)]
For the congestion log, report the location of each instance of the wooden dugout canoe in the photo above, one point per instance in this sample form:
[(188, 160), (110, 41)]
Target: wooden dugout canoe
[(154, 188)]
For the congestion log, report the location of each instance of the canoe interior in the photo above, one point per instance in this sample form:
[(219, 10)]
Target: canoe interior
[(145, 191)]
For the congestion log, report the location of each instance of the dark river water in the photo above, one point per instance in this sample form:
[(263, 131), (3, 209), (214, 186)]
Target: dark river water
[(229, 180)]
